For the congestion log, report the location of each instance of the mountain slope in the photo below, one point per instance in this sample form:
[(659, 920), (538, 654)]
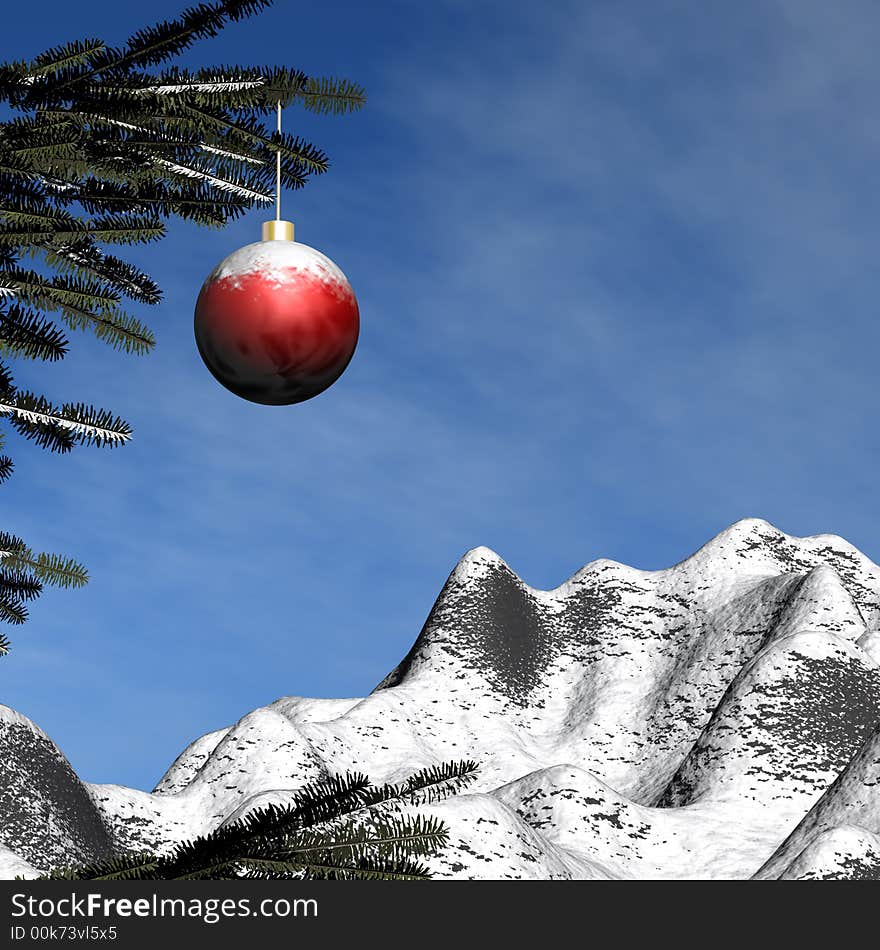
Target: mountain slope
[(851, 803), (47, 815)]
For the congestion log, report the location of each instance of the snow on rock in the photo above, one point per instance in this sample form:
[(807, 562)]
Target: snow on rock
[(48, 817), (787, 726), (185, 767), (846, 852), (489, 841), (853, 798), (870, 644), (576, 811), (822, 602), (12, 866), (710, 720)]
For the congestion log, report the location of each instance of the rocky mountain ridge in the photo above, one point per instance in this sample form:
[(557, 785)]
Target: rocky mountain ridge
[(716, 719)]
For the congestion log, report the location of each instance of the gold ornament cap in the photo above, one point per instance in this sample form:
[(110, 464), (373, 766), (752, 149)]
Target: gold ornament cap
[(278, 230)]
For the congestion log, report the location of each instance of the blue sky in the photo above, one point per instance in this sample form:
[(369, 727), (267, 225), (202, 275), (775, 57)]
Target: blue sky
[(616, 266)]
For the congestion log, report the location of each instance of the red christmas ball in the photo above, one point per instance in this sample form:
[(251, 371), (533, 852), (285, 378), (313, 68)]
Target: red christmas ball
[(276, 322)]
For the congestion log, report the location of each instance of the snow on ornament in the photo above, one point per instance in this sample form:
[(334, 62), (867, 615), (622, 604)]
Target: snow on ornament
[(276, 322)]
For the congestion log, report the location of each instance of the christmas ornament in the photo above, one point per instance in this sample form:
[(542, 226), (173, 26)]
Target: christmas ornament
[(276, 322)]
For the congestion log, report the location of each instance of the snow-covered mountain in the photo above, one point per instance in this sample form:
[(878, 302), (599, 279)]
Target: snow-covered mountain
[(717, 719)]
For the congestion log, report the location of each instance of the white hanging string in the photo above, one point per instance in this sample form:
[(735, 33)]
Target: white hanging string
[(278, 170)]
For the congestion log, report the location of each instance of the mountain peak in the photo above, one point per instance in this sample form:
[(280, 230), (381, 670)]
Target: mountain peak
[(477, 562)]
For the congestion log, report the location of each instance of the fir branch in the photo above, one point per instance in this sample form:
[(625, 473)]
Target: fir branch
[(48, 435), (7, 390), (122, 276), (227, 153), (34, 210), (108, 229), (60, 571), (126, 867), (12, 612), (216, 87), (330, 96), (169, 38), (299, 152), (58, 292), (201, 87), (73, 297), (272, 843), (13, 80), (30, 335), (238, 188), (120, 330), (252, 135), (314, 804), (36, 418), (151, 136), (92, 116), (233, 845), (125, 229), (375, 869), (390, 837), (245, 89), (43, 146), (11, 545), (12, 166), (19, 584), (436, 782), (63, 58), (52, 568), (422, 788), (192, 202)]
